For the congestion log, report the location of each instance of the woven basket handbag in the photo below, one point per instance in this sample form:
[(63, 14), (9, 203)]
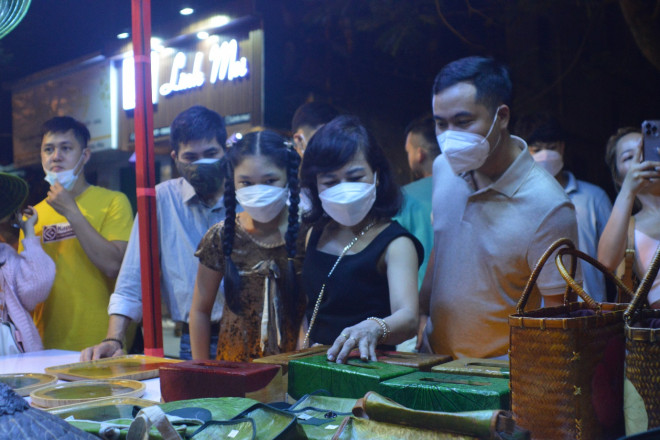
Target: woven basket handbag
[(642, 373), (567, 361)]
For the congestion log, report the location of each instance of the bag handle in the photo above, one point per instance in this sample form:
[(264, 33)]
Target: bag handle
[(628, 276), (148, 417), (520, 308), (575, 253), (644, 288)]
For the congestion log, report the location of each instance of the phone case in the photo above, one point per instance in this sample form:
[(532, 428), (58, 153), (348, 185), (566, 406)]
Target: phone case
[(651, 133)]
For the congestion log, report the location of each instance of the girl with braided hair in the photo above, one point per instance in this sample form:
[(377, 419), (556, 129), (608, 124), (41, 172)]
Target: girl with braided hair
[(259, 253)]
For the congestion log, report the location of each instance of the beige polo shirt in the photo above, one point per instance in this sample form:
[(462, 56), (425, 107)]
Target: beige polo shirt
[(486, 244)]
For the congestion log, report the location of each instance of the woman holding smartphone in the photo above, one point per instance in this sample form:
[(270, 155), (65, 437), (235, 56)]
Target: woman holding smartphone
[(636, 180)]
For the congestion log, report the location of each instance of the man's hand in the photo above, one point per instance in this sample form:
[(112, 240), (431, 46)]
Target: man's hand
[(103, 350), (61, 200)]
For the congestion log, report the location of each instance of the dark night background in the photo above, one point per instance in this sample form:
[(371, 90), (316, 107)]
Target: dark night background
[(593, 64)]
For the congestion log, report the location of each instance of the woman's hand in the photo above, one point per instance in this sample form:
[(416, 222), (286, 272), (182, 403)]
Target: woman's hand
[(640, 175), (27, 225), (363, 336)]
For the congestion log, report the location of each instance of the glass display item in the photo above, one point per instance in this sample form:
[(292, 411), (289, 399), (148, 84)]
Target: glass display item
[(85, 390), (24, 383), (135, 367)]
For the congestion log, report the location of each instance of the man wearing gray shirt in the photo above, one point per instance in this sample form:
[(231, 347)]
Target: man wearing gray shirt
[(186, 208)]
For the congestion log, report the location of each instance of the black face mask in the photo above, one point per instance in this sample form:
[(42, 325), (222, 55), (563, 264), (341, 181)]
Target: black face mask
[(205, 178)]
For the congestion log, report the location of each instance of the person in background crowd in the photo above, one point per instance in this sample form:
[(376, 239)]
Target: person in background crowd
[(257, 252), (187, 207), (635, 179), (495, 212), (547, 144), (26, 278), (360, 267), (422, 149), (84, 229), (307, 119), (415, 215)]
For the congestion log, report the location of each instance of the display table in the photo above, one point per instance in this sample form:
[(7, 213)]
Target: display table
[(38, 361)]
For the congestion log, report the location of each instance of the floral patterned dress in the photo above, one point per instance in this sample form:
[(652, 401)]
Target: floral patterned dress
[(269, 318)]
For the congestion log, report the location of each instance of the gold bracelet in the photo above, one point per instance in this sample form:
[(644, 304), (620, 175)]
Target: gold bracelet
[(383, 325)]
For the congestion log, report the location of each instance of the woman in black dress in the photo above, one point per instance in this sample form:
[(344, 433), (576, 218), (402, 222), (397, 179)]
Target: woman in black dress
[(360, 267)]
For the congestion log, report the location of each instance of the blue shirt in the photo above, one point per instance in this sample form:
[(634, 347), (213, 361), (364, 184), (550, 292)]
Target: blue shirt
[(183, 219), (593, 209)]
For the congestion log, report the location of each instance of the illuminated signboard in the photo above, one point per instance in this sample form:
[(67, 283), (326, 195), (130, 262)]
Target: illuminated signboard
[(225, 65), (128, 81)]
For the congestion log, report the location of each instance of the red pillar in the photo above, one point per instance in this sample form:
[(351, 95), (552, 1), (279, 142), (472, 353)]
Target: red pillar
[(146, 179)]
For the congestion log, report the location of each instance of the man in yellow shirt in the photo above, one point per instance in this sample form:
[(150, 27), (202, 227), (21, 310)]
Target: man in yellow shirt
[(84, 229)]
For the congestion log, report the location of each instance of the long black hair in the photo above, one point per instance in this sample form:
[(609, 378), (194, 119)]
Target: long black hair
[(332, 147), (269, 144)]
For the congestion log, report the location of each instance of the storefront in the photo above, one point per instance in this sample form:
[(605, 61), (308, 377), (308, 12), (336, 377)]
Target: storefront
[(217, 63)]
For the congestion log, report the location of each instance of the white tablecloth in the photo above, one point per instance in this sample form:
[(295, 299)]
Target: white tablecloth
[(38, 361)]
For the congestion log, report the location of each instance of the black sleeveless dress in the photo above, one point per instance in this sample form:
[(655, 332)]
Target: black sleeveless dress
[(355, 291)]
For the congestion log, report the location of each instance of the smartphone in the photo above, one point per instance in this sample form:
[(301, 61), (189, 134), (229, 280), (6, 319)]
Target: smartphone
[(651, 134)]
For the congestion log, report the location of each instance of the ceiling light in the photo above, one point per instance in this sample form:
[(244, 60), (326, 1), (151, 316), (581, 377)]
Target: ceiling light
[(123, 35), (203, 35), (219, 20), (186, 11)]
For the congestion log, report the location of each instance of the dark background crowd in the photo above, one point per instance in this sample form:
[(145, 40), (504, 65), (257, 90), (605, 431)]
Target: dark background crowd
[(593, 64)]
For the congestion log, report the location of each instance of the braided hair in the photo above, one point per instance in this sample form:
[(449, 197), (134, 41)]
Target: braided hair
[(269, 144)]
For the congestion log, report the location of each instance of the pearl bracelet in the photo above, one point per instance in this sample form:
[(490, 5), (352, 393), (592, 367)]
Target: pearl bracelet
[(383, 325)]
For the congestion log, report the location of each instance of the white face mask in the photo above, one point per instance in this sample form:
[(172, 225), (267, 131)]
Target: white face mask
[(206, 160), (67, 178), (465, 151), (550, 160), (348, 203), (262, 202)]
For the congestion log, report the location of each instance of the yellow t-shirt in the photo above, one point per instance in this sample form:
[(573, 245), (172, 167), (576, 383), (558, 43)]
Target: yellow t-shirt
[(75, 315)]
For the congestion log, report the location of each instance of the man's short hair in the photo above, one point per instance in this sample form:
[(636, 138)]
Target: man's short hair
[(313, 114), (425, 127), (489, 77), (197, 123), (62, 124), (539, 127)]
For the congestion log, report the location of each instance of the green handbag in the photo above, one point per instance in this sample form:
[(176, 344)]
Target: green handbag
[(320, 416), (200, 419), (272, 423), (257, 421)]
